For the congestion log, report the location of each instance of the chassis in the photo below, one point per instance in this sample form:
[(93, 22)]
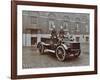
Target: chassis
[(61, 48)]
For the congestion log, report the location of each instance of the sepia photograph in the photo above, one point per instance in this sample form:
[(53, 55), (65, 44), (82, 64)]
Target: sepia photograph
[(53, 39)]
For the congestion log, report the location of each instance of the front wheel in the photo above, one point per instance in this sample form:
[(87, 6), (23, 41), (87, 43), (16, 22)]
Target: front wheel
[(60, 53)]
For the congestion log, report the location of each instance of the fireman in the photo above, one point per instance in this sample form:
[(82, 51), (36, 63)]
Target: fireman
[(53, 33), (53, 36), (61, 35), (61, 32)]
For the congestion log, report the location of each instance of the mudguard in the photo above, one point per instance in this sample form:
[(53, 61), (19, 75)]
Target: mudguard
[(42, 43), (65, 46)]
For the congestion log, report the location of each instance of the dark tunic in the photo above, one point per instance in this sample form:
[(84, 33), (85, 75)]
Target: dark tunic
[(61, 33)]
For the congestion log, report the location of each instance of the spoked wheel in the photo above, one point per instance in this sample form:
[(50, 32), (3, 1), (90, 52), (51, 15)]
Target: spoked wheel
[(41, 49), (77, 54), (60, 53)]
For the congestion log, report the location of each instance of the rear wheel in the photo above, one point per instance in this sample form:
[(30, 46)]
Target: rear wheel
[(41, 49), (60, 53)]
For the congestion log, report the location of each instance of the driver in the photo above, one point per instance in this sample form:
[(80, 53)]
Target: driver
[(53, 33), (53, 36), (61, 32)]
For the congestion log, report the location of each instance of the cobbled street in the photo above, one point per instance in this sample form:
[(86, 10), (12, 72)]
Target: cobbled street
[(31, 58)]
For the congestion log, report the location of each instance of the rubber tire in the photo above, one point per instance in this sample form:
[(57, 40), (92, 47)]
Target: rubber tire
[(61, 48), (41, 49)]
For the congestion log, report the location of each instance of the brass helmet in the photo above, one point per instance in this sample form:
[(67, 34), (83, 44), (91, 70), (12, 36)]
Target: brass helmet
[(61, 27)]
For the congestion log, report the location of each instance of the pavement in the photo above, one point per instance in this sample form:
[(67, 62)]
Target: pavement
[(31, 58)]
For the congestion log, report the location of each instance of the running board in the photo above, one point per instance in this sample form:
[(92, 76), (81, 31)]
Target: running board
[(48, 50)]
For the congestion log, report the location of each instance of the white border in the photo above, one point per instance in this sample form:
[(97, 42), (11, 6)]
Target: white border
[(21, 71)]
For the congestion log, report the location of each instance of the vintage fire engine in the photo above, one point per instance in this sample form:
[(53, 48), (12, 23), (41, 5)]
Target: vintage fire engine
[(62, 48)]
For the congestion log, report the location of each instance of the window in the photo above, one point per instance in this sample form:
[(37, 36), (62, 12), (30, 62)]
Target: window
[(77, 27), (87, 28), (66, 22), (33, 40), (66, 18), (33, 19), (87, 38), (51, 21), (65, 25), (51, 24), (77, 24)]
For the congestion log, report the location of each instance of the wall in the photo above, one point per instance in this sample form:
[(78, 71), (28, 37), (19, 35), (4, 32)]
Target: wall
[(40, 19), (5, 41)]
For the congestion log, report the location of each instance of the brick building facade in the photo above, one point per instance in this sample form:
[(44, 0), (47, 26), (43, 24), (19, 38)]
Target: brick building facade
[(38, 23)]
